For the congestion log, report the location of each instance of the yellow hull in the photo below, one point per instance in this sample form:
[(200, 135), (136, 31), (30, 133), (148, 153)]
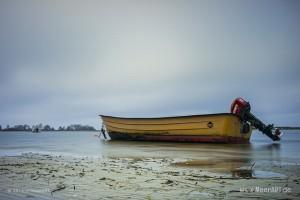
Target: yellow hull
[(224, 128)]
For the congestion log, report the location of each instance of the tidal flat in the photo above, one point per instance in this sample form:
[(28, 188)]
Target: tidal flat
[(41, 176)]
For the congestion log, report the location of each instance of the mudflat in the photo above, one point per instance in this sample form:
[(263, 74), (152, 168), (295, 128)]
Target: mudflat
[(42, 176)]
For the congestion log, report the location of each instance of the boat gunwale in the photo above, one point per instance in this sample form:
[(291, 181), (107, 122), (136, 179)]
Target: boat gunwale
[(173, 123), (171, 117)]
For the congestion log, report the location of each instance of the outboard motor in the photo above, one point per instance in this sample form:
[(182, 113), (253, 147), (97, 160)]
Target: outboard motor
[(242, 108)]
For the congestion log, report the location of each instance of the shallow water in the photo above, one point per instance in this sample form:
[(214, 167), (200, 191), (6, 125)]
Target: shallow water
[(88, 144), (54, 143), (220, 157)]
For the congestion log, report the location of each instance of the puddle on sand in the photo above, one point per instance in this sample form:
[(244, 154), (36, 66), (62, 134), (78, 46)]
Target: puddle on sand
[(242, 173), (266, 174), (248, 173), (215, 165), (197, 194), (238, 168)]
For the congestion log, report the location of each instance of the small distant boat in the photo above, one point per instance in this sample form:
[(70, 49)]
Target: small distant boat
[(36, 129), (217, 128), (233, 127)]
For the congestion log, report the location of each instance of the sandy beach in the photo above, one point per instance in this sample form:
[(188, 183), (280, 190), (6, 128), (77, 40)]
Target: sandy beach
[(38, 176)]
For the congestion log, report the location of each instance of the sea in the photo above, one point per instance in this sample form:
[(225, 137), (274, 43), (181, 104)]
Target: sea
[(89, 144)]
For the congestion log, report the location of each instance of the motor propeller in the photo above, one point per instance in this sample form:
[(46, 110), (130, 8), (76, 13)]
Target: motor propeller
[(242, 108)]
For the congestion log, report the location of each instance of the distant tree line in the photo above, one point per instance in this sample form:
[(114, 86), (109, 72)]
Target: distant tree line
[(25, 127), (77, 127)]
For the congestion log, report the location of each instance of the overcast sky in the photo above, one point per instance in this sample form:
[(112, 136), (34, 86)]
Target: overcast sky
[(65, 62)]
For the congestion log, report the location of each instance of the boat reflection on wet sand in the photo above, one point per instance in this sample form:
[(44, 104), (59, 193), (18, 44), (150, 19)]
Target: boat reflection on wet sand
[(240, 165), (236, 161)]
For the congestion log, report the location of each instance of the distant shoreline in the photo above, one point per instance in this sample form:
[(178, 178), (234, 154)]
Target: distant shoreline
[(284, 128), (288, 128), (41, 127)]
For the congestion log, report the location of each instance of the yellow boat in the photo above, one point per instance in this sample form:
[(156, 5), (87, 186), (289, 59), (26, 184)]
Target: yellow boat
[(217, 128)]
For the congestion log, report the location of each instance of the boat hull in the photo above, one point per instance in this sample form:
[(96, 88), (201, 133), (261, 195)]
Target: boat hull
[(216, 128)]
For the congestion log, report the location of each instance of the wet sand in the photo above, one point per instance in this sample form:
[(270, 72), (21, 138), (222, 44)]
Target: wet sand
[(41, 176)]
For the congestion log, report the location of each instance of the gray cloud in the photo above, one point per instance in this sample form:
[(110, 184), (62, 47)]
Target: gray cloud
[(64, 62)]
